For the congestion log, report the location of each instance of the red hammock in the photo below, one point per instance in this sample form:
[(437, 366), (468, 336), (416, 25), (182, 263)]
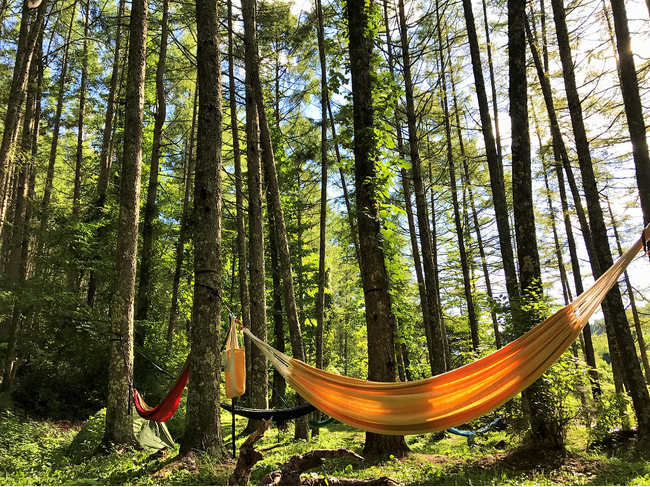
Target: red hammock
[(167, 407)]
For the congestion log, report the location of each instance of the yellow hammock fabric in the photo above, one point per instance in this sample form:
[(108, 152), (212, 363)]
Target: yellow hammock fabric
[(455, 397), (234, 361)]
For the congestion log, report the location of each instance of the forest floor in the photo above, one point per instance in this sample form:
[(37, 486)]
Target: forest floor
[(38, 453)]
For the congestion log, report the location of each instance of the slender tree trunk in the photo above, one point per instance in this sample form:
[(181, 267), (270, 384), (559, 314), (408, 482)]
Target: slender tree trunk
[(76, 196), (259, 369), (151, 209), (203, 425), (614, 302), (436, 347), (320, 297), (17, 265), (28, 36), (182, 236), (274, 192), (119, 424), (417, 263), (105, 156), (630, 292), (380, 320), (279, 384), (562, 160), (471, 311), (633, 106), (57, 125), (494, 165)]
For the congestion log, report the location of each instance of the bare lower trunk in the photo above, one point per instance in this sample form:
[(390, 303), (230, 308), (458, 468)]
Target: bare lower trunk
[(380, 321), (203, 425), (119, 423)]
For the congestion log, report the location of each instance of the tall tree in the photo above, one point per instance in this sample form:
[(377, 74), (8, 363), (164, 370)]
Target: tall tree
[(380, 320), (183, 232), (29, 32), (203, 425), (151, 209), (438, 365), (291, 308), (119, 424), (81, 118), (613, 302), (542, 430), (105, 155), (494, 164), (258, 390), (471, 311), (633, 106)]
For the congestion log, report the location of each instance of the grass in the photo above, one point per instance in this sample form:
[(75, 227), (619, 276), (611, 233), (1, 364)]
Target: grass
[(38, 453)]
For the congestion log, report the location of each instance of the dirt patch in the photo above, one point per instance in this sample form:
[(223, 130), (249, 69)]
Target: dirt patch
[(179, 462), (423, 458), (528, 460)]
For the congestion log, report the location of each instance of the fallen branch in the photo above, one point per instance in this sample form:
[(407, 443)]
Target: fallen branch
[(344, 481), (248, 456), (289, 473)]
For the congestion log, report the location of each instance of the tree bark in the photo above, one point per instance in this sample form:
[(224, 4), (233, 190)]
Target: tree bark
[(259, 369), (380, 320), (436, 348), (105, 156), (614, 302), (76, 196), (182, 236), (203, 424), (494, 165), (119, 423), (151, 209), (28, 36), (633, 106), (274, 192)]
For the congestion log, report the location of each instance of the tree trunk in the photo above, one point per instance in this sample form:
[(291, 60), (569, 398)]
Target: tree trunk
[(203, 424), (259, 369), (320, 297), (151, 209), (614, 302), (471, 311), (274, 192), (406, 187), (633, 106), (182, 236), (17, 265), (630, 292), (436, 348), (494, 164), (76, 196), (105, 156), (28, 36), (529, 265), (380, 320), (244, 298), (119, 423)]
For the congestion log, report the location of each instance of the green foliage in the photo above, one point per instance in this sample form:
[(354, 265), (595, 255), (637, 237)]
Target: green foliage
[(609, 413)]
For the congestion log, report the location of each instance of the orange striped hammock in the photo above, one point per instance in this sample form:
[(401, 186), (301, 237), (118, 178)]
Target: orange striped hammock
[(456, 397)]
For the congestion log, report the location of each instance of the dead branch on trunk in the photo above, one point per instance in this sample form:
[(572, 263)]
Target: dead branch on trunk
[(248, 456), (289, 473)]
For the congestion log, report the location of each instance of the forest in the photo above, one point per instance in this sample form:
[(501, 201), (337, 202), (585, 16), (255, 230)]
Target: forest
[(430, 204)]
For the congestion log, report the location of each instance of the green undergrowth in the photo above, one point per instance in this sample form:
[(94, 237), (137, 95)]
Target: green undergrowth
[(39, 453)]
